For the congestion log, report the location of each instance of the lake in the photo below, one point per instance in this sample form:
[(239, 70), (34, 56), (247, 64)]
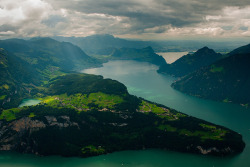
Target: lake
[(171, 57), (143, 80), (29, 102)]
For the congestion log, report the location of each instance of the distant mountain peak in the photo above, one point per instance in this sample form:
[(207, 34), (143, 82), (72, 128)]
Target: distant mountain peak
[(150, 49), (105, 36), (205, 50), (205, 47), (191, 62), (145, 55), (43, 39)]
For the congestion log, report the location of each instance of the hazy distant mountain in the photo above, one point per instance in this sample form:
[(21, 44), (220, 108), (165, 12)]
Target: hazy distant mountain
[(44, 53), (144, 55), (225, 80), (103, 44), (190, 62)]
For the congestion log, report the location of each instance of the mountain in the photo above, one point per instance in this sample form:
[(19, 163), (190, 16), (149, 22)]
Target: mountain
[(86, 115), (28, 64), (190, 62), (226, 80), (103, 44), (49, 54), (242, 49), (144, 55), (17, 77)]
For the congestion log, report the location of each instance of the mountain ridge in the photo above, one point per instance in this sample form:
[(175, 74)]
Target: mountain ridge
[(27, 64), (44, 51), (225, 80), (143, 55), (190, 62)]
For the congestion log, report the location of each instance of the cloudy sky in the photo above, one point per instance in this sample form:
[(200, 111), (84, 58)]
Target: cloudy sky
[(143, 19)]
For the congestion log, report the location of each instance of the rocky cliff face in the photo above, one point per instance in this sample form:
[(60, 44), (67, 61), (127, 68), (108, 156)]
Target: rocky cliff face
[(15, 135)]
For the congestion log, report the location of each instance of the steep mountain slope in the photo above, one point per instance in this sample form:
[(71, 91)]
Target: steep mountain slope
[(144, 55), (225, 80), (242, 49), (48, 54), (16, 78), (78, 117), (190, 62), (26, 65)]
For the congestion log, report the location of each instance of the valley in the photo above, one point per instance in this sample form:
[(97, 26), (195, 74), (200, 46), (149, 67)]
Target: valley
[(68, 97), (126, 83)]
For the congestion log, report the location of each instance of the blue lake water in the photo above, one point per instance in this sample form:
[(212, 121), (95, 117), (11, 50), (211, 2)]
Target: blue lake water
[(143, 80), (171, 57), (29, 102)]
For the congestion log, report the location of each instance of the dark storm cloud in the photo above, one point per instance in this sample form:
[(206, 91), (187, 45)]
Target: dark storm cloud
[(7, 30), (147, 14), (123, 17), (7, 27), (243, 28), (53, 20), (141, 14)]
